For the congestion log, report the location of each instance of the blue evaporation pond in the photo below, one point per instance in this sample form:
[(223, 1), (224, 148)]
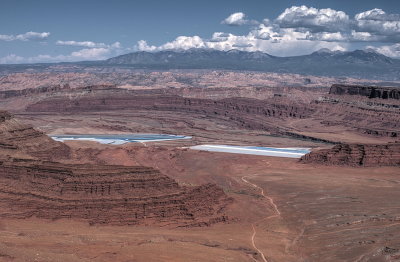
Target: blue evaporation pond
[(119, 139)]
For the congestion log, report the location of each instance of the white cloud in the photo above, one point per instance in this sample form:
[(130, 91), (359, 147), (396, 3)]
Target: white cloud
[(89, 44), (377, 15), (143, 46), (297, 30), (28, 36), (219, 37), (388, 50), (237, 19), (91, 54), (327, 36), (11, 59), (377, 22), (263, 38), (96, 53), (332, 25), (313, 19), (181, 42), (185, 42)]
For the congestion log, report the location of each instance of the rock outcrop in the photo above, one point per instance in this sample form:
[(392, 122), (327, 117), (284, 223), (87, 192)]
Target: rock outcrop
[(16, 137), (368, 91), (31, 91), (356, 155)]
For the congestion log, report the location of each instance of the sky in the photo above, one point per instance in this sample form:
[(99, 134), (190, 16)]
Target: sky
[(59, 30)]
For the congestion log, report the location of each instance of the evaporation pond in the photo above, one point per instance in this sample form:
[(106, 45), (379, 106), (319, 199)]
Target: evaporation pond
[(254, 150), (119, 139)]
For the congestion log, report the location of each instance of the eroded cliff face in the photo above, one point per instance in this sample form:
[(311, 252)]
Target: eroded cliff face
[(356, 155), (364, 116), (368, 91), (105, 195), (100, 194)]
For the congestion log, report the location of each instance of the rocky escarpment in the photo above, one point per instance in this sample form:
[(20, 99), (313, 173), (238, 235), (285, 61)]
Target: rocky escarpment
[(31, 91), (356, 155), (271, 114), (127, 100), (16, 137), (105, 194), (376, 117), (368, 91)]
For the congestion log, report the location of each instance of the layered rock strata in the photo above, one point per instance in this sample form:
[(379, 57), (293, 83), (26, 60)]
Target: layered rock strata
[(105, 195), (368, 91), (276, 115), (240, 112), (356, 155)]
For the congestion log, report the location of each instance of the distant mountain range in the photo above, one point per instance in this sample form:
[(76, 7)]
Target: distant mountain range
[(359, 63)]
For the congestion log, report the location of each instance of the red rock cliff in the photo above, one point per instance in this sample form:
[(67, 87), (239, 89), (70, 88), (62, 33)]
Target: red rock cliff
[(356, 155)]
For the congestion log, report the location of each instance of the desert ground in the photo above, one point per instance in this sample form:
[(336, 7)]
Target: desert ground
[(283, 211)]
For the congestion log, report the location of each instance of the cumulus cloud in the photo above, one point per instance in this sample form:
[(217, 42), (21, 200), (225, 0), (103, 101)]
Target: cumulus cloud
[(332, 25), (377, 15), (181, 42), (28, 36), (313, 19), (298, 30), (237, 19), (262, 38), (388, 50), (385, 27)]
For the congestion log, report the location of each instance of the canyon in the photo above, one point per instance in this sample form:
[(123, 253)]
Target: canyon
[(290, 112), (163, 201)]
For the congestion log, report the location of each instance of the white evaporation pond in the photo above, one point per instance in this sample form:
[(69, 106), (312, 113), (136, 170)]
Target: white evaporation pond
[(254, 150)]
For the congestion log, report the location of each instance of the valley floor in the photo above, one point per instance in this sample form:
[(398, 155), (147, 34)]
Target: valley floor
[(283, 210)]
